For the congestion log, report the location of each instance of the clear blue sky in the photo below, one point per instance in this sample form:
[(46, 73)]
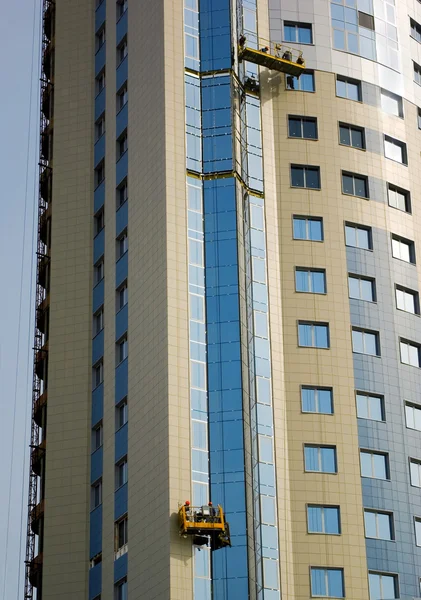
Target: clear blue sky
[(19, 59)]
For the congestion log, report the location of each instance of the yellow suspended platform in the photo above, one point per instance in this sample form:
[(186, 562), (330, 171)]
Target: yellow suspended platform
[(204, 523), (276, 57)]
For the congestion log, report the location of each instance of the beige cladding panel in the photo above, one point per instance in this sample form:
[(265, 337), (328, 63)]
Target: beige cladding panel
[(160, 565), (66, 528), (294, 366)]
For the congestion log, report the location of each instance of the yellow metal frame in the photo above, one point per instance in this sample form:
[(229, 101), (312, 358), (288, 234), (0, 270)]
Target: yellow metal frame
[(189, 525), (273, 58)]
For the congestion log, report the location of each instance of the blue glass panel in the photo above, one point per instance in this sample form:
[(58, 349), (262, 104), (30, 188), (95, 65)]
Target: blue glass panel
[(99, 104), (121, 322), (121, 29), (96, 464), (97, 404), (121, 381), (98, 347), (215, 35), (315, 522), (122, 72), (99, 150), (121, 269), (318, 582), (100, 15), (121, 168), (99, 245), (121, 218), (202, 588), (308, 400), (121, 442), (336, 585), (121, 120), (325, 401), (95, 578), (328, 456), (331, 520), (100, 59), (95, 536), (311, 458), (120, 565), (120, 501), (99, 196)]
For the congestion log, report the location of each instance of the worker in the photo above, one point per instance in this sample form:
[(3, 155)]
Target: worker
[(265, 49), (242, 40), (212, 513), (187, 509), (300, 60), (287, 55)]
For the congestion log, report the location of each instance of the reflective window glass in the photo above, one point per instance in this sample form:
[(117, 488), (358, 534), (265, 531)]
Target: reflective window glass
[(307, 228), (382, 586), (374, 465), (358, 237), (310, 280), (314, 335), (378, 525), (320, 459), (328, 583), (407, 300), (348, 88), (410, 353), (302, 127), (413, 416), (365, 342), (370, 407), (323, 519), (317, 400)]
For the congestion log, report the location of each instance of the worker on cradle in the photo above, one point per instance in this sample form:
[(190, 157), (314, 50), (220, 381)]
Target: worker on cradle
[(212, 513), (187, 509)]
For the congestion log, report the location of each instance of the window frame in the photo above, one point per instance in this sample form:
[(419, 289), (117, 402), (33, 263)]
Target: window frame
[(323, 519), (297, 25), (119, 586), (122, 242), (414, 461), (98, 368), (122, 97), (319, 447), (387, 93), (351, 128), (355, 176), (99, 271), (326, 569), (306, 169), (302, 119), (100, 38), (371, 395), (122, 51), (121, 467), (417, 538), (99, 127), (121, 7), (405, 242), (122, 288), (408, 292), (122, 145), (307, 220), (96, 487), (98, 314), (122, 349), (364, 331), (122, 190), (316, 389), (357, 227), (100, 82), (372, 453), (417, 72), (376, 512), (99, 221), (395, 142), (291, 81), (360, 278), (94, 445), (122, 408), (314, 324), (309, 271), (412, 345), (122, 520), (414, 407), (415, 27), (99, 173), (402, 192), (385, 574), (349, 81)]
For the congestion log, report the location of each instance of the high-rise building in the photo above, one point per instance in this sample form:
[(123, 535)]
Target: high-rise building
[(228, 300)]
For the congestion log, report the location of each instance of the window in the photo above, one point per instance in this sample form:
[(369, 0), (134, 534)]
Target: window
[(100, 82), (122, 97), (302, 127), (383, 586), (98, 321), (305, 177), (415, 472), (122, 244), (348, 88), (100, 127), (122, 6), (100, 38), (121, 473), (122, 145), (310, 280), (99, 221), (122, 592), (313, 335), (355, 185), (410, 353), (365, 342), (98, 375), (317, 400), (299, 33), (121, 414), (391, 103), (417, 531), (419, 118), (378, 525), (398, 198), (122, 296), (122, 348), (99, 271), (417, 73), (350, 135), (96, 494), (320, 459), (407, 300), (122, 51), (308, 228), (99, 174), (121, 533), (413, 416), (96, 437), (122, 193), (403, 249), (374, 464), (328, 583), (415, 30), (323, 519), (358, 236), (395, 150), (362, 288), (304, 83), (370, 406)]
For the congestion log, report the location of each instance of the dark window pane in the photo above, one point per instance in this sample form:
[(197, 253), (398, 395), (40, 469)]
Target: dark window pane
[(309, 129), (294, 127), (313, 178), (304, 34), (357, 138), (348, 184), (360, 187), (297, 176), (344, 136)]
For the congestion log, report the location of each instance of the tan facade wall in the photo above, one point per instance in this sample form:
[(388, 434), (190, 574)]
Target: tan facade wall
[(66, 533)]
